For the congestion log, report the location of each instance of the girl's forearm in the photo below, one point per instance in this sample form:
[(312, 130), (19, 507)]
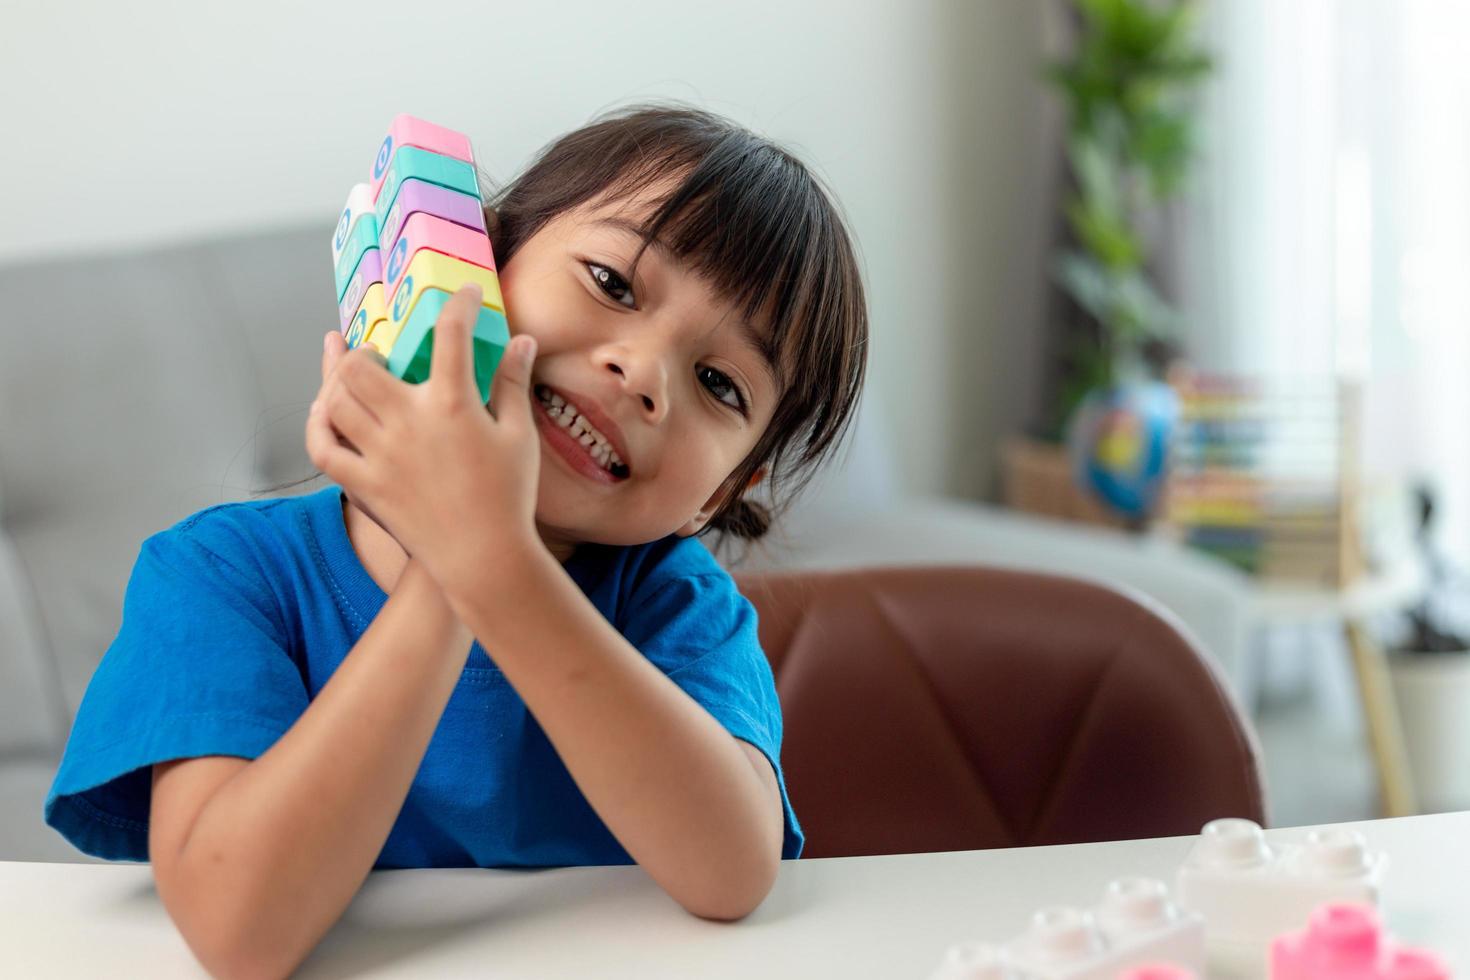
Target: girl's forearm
[(277, 853), (670, 782)]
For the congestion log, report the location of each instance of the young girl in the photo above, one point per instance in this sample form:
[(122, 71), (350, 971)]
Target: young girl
[(497, 641)]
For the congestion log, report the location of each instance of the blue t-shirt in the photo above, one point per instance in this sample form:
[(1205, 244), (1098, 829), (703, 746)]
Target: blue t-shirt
[(235, 618)]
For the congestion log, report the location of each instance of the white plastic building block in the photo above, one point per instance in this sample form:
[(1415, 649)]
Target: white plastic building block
[(1249, 891), (973, 961), (1135, 924)]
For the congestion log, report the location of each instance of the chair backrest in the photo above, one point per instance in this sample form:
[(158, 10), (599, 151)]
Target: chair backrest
[(955, 708)]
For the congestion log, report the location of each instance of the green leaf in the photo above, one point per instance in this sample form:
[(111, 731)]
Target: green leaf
[(1105, 235)]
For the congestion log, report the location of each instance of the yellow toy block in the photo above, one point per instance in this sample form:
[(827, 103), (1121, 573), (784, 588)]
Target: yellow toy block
[(372, 312), (431, 279)]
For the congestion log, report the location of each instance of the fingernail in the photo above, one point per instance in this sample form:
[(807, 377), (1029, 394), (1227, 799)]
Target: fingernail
[(326, 342), (528, 348)]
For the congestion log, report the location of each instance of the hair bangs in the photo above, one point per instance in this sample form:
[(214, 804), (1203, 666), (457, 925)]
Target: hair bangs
[(750, 221)]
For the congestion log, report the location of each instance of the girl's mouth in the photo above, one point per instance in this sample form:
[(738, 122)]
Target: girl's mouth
[(571, 450)]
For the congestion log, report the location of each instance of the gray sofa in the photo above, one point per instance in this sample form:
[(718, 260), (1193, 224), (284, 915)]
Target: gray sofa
[(144, 386)]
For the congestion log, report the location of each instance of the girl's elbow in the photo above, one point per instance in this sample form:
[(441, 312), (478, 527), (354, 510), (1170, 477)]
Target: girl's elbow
[(230, 955), (735, 897), (220, 932)]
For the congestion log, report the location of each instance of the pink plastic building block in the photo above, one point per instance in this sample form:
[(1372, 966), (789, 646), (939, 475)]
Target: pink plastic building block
[(407, 130), (1158, 971), (428, 231), (1345, 941)]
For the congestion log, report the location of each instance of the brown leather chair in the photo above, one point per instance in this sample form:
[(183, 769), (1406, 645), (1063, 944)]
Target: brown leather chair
[(954, 708)]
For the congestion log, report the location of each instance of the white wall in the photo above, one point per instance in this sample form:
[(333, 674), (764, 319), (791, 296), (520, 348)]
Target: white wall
[(130, 124)]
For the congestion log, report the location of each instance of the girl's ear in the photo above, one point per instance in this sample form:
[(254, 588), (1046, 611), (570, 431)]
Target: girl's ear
[(696, 523)]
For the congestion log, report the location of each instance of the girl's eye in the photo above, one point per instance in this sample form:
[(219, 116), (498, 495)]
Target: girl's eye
[(719, 381), (613, 284)]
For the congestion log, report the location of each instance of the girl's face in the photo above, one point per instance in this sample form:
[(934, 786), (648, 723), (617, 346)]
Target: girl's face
[(666, 372)]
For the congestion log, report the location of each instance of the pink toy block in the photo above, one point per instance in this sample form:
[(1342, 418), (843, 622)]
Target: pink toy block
[(1345, 941), (427, 231), (1158, 971), (407, 130)]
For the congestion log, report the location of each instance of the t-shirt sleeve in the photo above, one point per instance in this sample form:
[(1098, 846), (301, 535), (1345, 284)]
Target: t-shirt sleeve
[(701, 632), (200, 666)]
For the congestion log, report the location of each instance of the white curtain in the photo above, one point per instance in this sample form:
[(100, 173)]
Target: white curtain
[(1330, 220)]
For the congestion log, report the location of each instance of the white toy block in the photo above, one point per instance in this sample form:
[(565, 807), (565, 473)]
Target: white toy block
[(1249, 891), (1135, 924), (973, 961)]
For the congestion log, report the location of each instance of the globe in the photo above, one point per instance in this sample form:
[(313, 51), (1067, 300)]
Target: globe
[(1119, 443)]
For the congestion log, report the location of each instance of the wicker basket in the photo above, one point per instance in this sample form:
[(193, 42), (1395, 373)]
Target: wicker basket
[(1039, 480)]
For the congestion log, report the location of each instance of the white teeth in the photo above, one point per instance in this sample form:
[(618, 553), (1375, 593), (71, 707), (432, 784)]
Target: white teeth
[(567, 416)]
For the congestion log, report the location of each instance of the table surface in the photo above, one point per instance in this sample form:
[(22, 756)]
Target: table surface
[(889, 917)]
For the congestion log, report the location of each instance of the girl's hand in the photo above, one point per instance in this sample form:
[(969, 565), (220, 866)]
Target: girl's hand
[(334, 346), (452, 483)]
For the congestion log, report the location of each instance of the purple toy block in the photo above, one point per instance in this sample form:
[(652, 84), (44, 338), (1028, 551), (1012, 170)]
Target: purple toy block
[(417, 195)]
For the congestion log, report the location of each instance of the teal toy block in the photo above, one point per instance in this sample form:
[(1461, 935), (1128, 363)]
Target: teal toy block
[(362, 246), (410, 162), (413, 348)]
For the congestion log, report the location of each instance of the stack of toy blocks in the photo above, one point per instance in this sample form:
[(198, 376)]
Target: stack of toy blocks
[(1239, 897), (408, 240)]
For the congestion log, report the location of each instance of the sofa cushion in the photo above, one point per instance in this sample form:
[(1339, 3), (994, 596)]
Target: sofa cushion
[(32, 715), (130, 399)]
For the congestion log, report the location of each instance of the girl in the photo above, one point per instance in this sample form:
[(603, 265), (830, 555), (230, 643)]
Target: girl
[(497, 640)]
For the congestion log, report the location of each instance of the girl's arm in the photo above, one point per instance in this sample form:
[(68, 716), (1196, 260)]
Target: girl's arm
[(698, 809), (255, 860)]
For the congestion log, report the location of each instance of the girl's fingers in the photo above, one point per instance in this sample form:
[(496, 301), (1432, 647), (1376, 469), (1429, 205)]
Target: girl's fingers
[(451, 364), (350, 417), (370, 382), (510, 389), (333, 347), (342, 463)]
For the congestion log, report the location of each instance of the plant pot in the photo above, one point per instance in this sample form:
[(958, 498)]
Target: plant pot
[(1433, 695)]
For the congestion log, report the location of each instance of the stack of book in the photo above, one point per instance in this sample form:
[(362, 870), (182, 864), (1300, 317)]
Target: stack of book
[(1259, 476)]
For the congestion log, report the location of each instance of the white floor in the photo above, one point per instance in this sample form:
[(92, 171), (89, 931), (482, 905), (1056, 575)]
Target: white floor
[(1309, 720), (1316, 771)]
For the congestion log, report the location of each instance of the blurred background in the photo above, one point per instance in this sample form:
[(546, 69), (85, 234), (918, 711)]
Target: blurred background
[(1162, 295)]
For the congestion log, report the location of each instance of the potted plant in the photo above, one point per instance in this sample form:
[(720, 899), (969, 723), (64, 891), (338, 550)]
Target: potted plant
[(1429, 668), (1127, 86)]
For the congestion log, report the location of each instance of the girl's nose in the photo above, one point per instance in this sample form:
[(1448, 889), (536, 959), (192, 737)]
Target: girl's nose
[(644, 381)]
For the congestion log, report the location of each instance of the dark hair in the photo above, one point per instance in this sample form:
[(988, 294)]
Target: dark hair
[(747, 216), (753, 221)]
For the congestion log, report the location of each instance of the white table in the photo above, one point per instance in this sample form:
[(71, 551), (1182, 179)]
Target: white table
[(880, 917)]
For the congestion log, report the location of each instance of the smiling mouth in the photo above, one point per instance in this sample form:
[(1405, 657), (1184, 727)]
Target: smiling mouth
[(576, 440)]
